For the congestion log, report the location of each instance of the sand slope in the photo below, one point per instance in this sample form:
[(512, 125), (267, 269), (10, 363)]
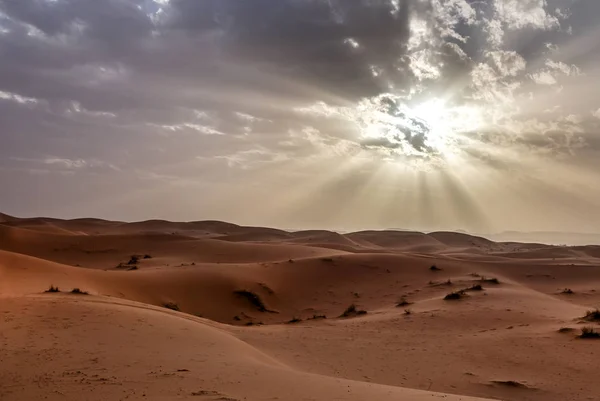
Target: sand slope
[(249, 305)]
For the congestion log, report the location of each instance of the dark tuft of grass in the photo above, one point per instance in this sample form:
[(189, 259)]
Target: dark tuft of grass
[(317, 317), (492, 280), (133, 260), (456, 295), (79, 292), (434, 268), (146, 256), (475, 287), (237, 318), (171, 305), (567, 291), (403, 302), (592, 315), (353, 311), (53, 289), (294, 320), (589, 332), (407, 312)]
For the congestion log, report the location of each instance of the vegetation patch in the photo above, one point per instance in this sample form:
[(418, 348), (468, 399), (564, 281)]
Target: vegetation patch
[(589, 333), (171, 305), (352, 311), (294, 320), (567, 291), (492, 280), (52, 289), (403, 302), (79, 291), (317, 317), (456, 295), (592, 315), (434, 268)]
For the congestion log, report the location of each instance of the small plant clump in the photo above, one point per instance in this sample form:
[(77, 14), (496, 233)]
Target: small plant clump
[(294, 320), (403, 302), (53, 289), (147, 256), (317, 317), (407, 312), (475, 287), (79, 291), (352, 311), (133, 260), (434, 268), (568, 291), (172, 306), (492, 280), (592, 315), (456, 295), (589, 332)]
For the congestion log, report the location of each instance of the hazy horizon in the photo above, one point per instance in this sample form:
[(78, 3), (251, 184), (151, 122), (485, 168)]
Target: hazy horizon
[(482, 116)]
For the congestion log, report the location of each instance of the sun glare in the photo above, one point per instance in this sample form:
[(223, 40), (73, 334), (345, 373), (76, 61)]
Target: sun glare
[(429, 127)]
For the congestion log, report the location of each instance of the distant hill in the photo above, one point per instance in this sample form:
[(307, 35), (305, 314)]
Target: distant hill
[(547, 237)]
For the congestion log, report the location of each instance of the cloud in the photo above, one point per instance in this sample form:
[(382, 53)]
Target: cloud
[(198, 88)]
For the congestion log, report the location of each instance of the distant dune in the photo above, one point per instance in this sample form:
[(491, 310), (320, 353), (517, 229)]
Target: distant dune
[(210, 310)]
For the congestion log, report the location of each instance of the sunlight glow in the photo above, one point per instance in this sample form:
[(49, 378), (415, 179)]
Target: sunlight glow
[(429, 127)]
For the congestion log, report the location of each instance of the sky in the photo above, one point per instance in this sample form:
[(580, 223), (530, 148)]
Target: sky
[(476, 115)]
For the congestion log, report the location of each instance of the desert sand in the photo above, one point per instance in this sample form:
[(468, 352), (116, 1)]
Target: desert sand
[(215, 311)]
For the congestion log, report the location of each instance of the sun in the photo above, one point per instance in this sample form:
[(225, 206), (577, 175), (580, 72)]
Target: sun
[(425, 128)]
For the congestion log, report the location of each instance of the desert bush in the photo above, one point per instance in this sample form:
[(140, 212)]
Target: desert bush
[(455, 295), (475, 287), (589, 332), (317, 317), (171, 305), (407, 312), (492, 280), (568, 291), (53, 289), (78, 291), (434, 268), (147, 256), (592, 315), (403, 302), (353, 311), (133, 260), (294, 320)]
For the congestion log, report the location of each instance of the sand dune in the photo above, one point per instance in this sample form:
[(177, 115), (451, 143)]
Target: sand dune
[(216, 311)]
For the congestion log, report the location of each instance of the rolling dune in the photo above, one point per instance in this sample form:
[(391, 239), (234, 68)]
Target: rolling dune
[(215, 311)]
